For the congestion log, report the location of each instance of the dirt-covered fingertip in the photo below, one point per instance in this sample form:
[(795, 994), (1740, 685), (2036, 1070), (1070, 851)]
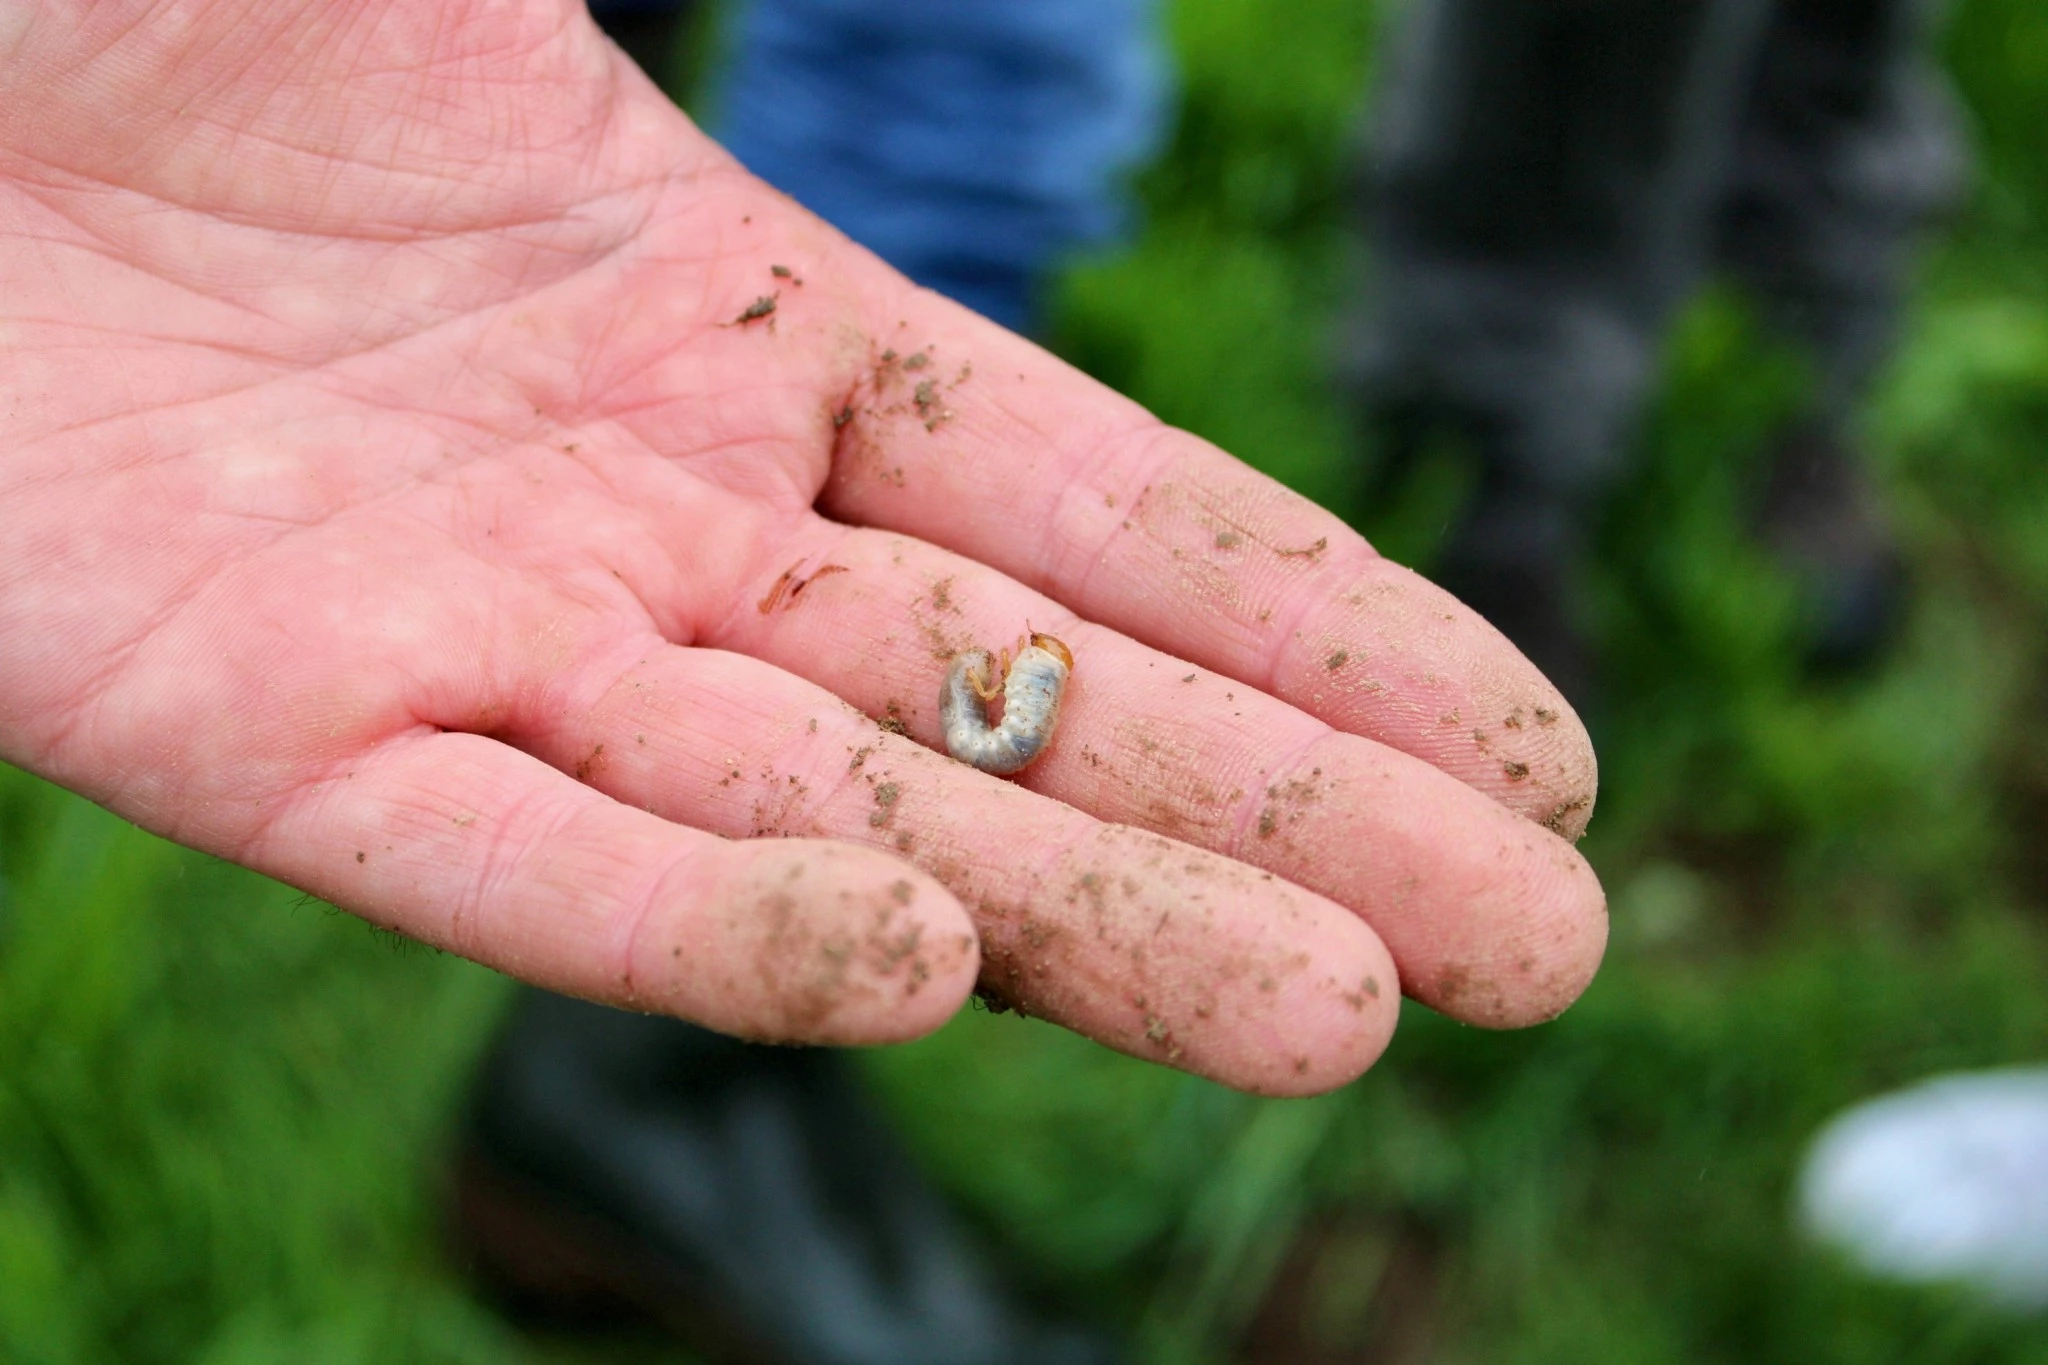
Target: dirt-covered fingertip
[(806, 941), (1340, 1022), (1537, 971), (1178, 956)]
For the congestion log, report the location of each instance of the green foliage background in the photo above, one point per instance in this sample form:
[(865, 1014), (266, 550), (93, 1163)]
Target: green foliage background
[(222, 1109)]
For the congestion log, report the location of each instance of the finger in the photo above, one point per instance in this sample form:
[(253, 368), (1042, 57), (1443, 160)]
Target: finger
[(1155, 948), (991, 448), (1488, 918), (469, 845)]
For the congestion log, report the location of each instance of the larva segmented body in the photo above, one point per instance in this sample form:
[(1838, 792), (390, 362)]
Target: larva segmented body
[(1031, 693)]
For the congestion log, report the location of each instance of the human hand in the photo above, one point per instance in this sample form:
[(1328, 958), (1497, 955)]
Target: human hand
[(406, 494)]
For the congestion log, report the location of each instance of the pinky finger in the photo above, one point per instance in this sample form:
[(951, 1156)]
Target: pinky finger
[(474, 847)]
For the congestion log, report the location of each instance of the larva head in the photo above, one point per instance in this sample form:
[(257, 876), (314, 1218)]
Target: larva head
[(1054, 648)]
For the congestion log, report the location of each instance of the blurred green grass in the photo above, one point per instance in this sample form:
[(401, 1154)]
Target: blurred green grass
[(221, 1107)]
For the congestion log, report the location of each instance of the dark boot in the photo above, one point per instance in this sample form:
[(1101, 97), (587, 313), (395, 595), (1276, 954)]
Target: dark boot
[(1822, 520), (748, 1198), (1513, 552)]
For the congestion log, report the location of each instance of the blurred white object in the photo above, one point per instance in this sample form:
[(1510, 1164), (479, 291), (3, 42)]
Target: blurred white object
[(1944, 1181)]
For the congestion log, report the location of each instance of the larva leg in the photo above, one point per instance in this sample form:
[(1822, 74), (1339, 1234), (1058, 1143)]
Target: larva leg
[(985, 687)]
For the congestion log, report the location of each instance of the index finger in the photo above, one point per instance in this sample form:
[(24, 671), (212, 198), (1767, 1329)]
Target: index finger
[(964, 435)]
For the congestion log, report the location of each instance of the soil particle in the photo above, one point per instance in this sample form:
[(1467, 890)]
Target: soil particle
[(887, 794), (755, 311), (824, 571), (1561, 819), (592, 762), (1515, 772), (1159, 1035), (991, 998), (1369, 989), (1298, 793), (789, 587), (773, 598), (929, 410), (802, 975)]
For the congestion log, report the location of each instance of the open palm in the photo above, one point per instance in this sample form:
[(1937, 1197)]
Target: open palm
[(436, 475)]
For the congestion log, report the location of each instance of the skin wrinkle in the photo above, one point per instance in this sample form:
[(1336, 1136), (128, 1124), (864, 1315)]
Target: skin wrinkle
[(259, 106), (289, 802), (1255, 801), (707, 452), (1265, 651), (1298, 599), (513, 844), (101, 348), (625, 231), (613, 380), (1066, 518), (618, 412), (639, 911), (99, 246), (523, 712), (95, 690), (1214, 505), (303, 373)]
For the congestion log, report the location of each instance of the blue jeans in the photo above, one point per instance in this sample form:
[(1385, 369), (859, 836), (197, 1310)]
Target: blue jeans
[(973, 144)]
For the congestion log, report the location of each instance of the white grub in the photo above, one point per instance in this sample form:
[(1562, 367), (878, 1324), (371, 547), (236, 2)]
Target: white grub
[(1030, 688)]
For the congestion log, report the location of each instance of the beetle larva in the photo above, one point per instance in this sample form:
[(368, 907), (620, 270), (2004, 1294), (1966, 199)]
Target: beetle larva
[(1030, 691)]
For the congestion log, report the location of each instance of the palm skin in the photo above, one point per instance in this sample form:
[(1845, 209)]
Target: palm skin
[(406, 494)]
